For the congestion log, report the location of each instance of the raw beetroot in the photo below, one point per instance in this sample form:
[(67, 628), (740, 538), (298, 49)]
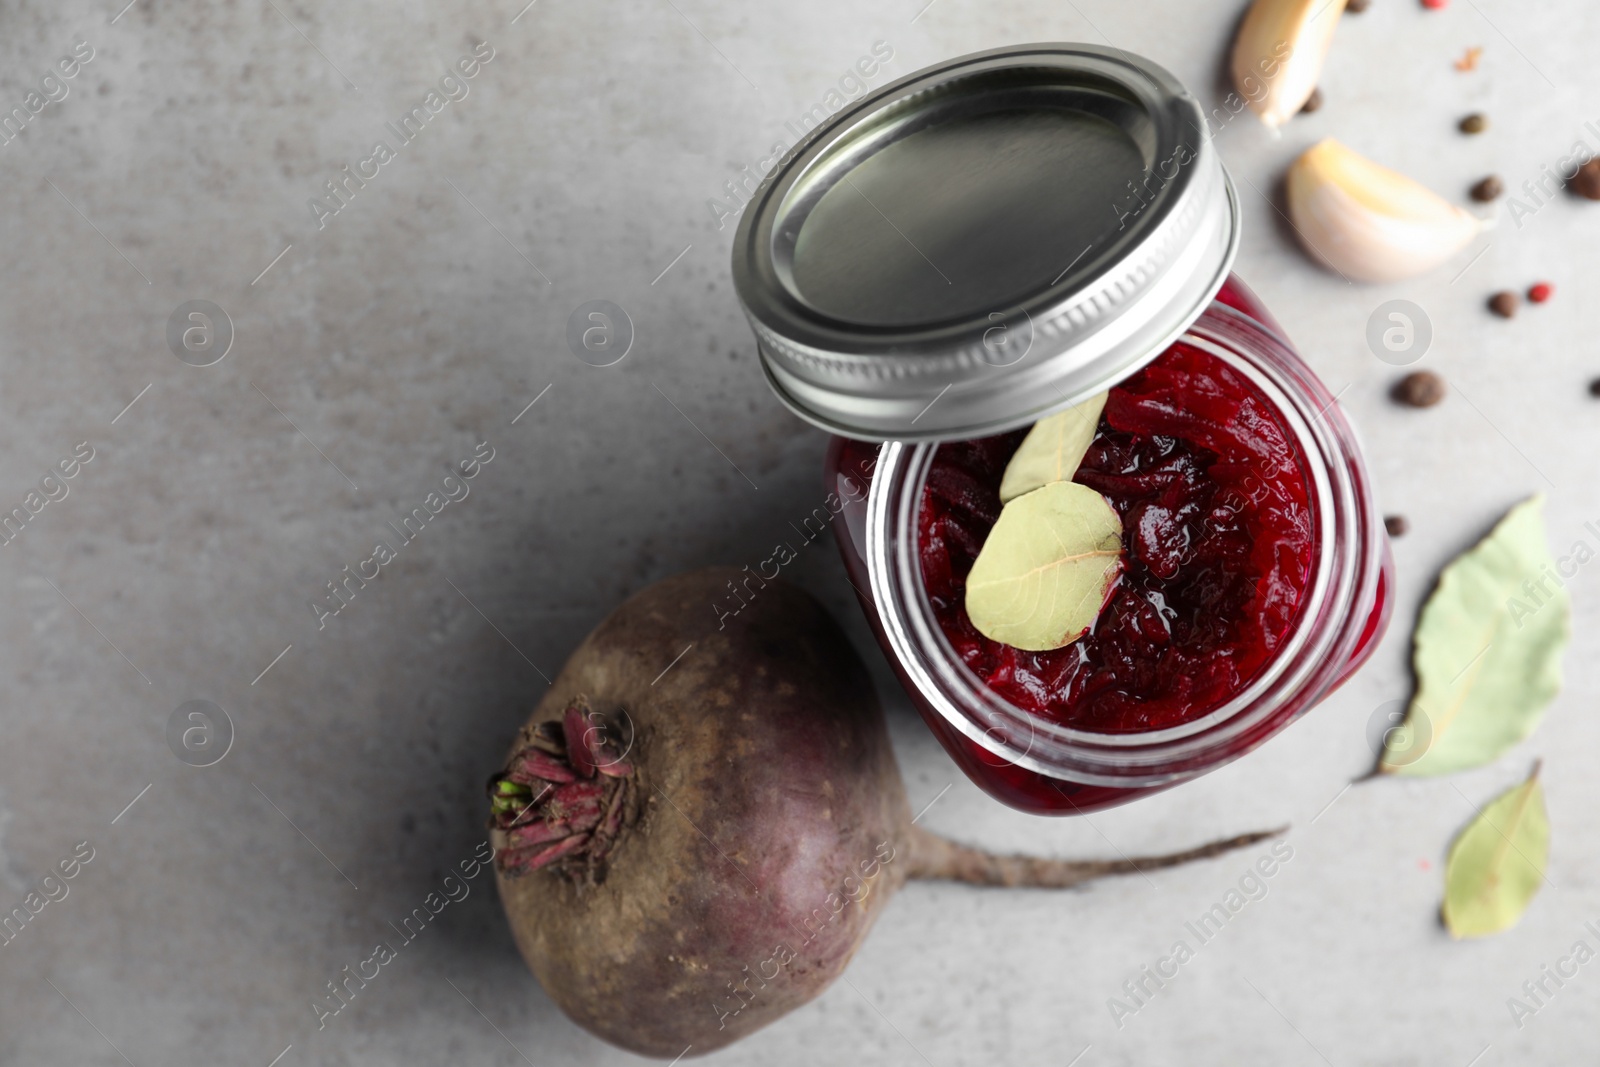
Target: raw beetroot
[(686, 856)]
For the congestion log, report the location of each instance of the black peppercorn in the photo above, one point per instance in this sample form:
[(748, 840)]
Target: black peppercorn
[(1488, 189), (1504, 303), (1420, 389), (1586, 183)]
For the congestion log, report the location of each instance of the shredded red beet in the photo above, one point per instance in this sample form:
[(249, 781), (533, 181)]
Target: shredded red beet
[(1217, 536)]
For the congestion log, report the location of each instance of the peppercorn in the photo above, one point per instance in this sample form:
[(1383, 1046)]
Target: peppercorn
[(1504, 303), (1420, 389), (1488, 189), (1539, 292), (1313, 101), (1396, 525), (1476, 122), (1594, 387), (1356, 7), (1586, 183)]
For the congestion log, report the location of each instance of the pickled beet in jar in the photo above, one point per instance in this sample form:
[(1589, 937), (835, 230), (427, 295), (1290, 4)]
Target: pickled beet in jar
[(992, 240)]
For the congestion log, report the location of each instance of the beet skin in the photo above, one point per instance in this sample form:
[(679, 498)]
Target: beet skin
[(768, 819)]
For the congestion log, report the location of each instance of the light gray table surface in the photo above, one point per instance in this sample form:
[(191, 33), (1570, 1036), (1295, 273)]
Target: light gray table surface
[(373, 353)]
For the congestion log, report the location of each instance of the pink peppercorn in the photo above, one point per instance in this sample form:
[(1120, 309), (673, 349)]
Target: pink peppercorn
[(1538, 294)]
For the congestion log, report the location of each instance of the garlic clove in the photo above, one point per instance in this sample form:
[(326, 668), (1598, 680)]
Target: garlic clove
[(1369, 223), (1277, 57)]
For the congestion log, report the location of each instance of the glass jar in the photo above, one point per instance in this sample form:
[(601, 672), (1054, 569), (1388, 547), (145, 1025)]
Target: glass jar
[(975, 247), (1038, 766)]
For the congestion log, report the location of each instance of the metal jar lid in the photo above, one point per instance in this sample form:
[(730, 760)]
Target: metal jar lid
[(984, 242)]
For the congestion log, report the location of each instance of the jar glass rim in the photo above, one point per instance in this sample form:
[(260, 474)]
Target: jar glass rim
[(1325, 628)]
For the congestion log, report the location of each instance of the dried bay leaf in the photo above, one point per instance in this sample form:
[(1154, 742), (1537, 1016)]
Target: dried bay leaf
[(1046, 568), (1498, 862), (1053, 449), (1486, 652)]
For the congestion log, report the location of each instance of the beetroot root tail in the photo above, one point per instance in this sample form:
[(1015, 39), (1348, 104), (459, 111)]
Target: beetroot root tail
[(934, 857)]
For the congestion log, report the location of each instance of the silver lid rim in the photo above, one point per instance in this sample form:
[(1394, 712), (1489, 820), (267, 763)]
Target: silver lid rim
[(789, 388), (1145, 283)]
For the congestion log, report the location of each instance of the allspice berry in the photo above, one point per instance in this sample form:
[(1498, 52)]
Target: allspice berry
[(1356, 7), (1488, 189), (1504, 303), (1396, 525), (1586, 182), (1420, 389), (1313, 101), (1476, 122)]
